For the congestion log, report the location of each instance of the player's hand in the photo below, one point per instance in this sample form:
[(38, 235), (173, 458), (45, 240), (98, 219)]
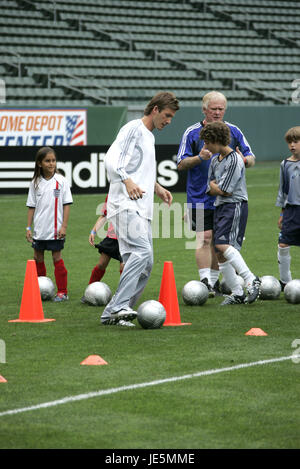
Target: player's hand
[(29, 236), (213, 186), (205, 153), (62, 232), (279, 223), (92, 239), (163, 194), (239, 152), (134, 191)]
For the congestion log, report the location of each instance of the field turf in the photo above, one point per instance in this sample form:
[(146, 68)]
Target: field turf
[(233, 407)]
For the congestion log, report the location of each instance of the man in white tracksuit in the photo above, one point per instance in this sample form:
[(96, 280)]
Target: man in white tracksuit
[(131, 169)]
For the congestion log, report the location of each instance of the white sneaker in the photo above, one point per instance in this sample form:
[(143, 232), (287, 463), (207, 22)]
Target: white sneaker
[(126, 314), (60, 297), (118, 322), (125, 323)]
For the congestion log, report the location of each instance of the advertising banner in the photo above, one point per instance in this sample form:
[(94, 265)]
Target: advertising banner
[(43, 127), (83, 166)]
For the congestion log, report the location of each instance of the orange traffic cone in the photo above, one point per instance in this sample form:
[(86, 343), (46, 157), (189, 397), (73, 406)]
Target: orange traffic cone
[(93, 360), (31, 305), (2, 379), (168, 297), (256, 331)]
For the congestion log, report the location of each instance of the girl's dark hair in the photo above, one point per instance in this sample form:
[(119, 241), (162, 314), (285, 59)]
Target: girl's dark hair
[(163, 99), (38, 171)]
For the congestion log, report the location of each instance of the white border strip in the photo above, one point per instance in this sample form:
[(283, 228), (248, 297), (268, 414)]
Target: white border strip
[(105, 392)]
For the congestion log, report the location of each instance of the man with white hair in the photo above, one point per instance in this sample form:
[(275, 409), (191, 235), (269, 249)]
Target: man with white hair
[(195, 158)]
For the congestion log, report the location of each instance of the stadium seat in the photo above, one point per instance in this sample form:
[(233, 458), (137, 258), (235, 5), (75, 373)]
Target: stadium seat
[(128, 48)]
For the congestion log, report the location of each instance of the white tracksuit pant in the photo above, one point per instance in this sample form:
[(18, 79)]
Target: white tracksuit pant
[(134, 235)]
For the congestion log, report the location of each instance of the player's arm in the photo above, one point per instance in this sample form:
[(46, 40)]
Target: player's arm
[(215, 190), (163, 194), (249, 161), (98, 225), (30, 215), (231, 177), (281, 196), (186, 158), (192, 161), (243, 149), (279, 222), (63, 229)]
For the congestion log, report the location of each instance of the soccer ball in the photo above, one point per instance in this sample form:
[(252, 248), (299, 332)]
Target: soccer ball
[(47, 288), (151, 314), (225, 288), (194, 293), (292, 291), (98, 294), (270, 288)]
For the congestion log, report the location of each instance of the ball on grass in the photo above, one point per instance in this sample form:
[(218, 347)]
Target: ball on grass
[(195, 293), (151, 314), (97, 294), (47, 288), (292, 291), (270, 288)]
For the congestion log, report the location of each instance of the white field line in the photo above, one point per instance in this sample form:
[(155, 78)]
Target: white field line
[(251, 186), (130, 387)]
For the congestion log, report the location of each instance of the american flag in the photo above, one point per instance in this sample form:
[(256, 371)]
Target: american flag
[(75, 130)]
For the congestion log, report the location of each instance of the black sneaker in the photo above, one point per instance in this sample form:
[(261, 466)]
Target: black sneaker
[(211, 292), (282, 284), (234, 300), (253, 290), (217, 288)]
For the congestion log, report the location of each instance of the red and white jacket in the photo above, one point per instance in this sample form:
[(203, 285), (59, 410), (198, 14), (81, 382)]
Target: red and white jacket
[(48, 200)]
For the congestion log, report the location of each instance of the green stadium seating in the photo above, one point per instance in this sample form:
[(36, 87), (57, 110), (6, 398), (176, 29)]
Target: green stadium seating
[(122, 51)]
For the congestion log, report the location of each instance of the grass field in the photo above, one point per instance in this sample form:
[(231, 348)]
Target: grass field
[(231, 407)]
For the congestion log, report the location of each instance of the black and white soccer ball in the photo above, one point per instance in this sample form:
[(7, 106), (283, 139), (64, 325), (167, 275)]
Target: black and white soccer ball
[(194, 293), (151, 314), (225, 288), (47, 288), (97, 294), (292, 291), (270, 288)]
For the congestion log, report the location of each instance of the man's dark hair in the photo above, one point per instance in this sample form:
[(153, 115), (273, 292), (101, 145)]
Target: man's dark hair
[(164, 99)]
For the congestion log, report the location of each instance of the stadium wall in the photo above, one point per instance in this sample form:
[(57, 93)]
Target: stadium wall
[(264, 127), (83, 164)]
